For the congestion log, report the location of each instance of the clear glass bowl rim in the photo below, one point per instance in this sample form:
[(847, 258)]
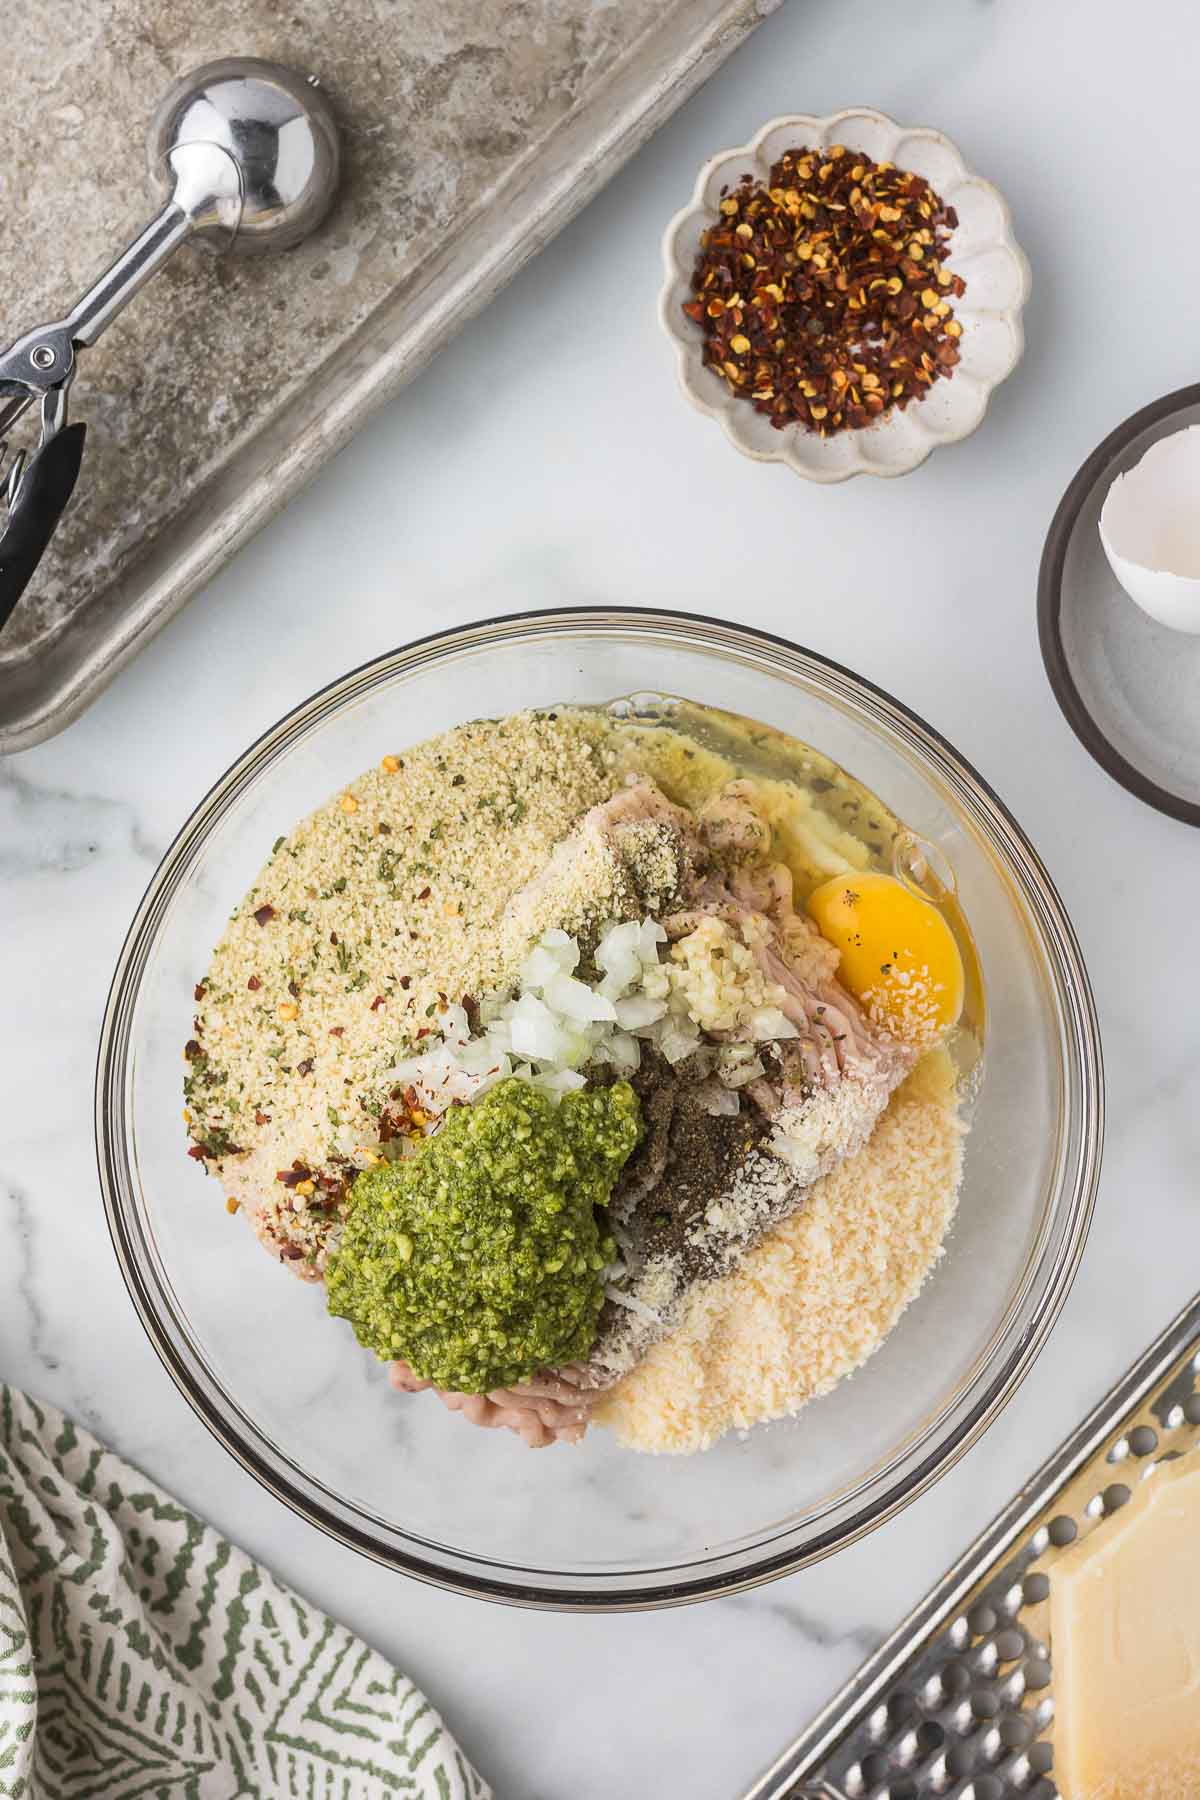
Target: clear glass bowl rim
[(1078, 1175)]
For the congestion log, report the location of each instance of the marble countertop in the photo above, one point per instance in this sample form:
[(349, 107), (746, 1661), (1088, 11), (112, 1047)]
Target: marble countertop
[(548, 459)]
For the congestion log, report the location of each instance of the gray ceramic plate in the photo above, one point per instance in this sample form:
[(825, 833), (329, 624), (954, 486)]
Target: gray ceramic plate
[(1130, 688)]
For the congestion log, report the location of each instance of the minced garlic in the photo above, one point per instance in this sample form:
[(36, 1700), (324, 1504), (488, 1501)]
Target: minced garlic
[(719, 977)]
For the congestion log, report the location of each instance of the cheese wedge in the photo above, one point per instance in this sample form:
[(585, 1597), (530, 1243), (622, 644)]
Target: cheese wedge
[(1125, 1648)]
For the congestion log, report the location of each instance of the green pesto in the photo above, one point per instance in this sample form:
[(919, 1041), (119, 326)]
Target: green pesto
[(480, 1259)]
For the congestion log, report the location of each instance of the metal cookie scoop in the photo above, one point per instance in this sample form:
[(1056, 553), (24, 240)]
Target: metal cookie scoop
[(247, 153)]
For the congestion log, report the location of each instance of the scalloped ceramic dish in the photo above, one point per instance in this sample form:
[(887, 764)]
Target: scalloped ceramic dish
[(983, 251)]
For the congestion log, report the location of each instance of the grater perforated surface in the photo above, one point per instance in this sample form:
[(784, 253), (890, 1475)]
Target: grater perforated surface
[(959, 1702)]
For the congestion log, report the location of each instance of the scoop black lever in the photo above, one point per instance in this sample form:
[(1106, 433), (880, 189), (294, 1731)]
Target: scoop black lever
[(43, 488)]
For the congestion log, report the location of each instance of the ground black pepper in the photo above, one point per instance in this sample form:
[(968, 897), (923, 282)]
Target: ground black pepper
[(687, 1159)]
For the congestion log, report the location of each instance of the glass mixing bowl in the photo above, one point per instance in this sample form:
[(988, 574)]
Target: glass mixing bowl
[(312, 1416)]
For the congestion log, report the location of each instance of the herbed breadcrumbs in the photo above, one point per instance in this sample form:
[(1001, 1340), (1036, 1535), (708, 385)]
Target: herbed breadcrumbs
[(380, 909)]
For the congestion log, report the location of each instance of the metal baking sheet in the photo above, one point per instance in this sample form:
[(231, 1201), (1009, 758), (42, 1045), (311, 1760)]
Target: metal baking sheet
[(959, 1702), (473, 131)]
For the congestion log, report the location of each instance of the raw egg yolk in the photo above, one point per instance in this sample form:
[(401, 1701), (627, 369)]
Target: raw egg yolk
[(899, 957)]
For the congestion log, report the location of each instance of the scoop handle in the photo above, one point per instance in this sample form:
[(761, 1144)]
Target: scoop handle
[(206, 197)]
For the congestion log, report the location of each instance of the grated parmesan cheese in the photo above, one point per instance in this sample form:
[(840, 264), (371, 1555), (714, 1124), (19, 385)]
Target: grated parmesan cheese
[(911, 1005)]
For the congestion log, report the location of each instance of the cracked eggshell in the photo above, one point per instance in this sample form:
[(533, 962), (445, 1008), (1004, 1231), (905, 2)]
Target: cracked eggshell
[(1150, 530)]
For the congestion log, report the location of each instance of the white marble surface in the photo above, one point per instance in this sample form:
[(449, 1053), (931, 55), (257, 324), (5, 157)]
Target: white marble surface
[(547, 459)]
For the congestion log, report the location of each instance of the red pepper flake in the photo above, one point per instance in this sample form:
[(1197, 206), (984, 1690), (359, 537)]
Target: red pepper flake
[(305, 1067), (377, 1002), (293, 990), (264, 915), (424, 893), (422, 1033), (192, 1050), (209, 1153), (262, 1118), (823, 296), (292, 1177), (406, 982), (290, 1253), (254, 984), (333, 937), (199, 991), (337, 1031)]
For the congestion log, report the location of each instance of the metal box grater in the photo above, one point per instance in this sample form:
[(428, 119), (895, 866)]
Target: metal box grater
[(959, 1702)]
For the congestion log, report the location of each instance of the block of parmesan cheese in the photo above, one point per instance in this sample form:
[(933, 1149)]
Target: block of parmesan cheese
[(1125, 1648)]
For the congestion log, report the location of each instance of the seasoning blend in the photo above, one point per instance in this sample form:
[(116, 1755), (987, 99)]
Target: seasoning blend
[(823, 294)]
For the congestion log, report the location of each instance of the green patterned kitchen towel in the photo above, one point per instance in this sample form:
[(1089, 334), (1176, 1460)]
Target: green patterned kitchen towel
[(143, 1655)]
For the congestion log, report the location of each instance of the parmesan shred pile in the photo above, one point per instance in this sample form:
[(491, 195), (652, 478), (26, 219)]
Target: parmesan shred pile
[(817, 1296)]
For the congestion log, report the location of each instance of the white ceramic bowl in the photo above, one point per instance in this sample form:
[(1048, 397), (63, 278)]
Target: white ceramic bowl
[(983, 251)]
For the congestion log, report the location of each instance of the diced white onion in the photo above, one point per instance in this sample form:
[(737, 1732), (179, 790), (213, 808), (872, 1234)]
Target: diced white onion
[(556, 1024), (576, 1000), (562, 946), (719, 1101), (536, 1032), (618, 939), (622, 1236), (538, 968), (768, 1023), (650, 936), (624, 1052), (617, 958), (678, 1039), (742, 1074), (558, 1082), (637, 1010), (454, 1025), (632, 1304)]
